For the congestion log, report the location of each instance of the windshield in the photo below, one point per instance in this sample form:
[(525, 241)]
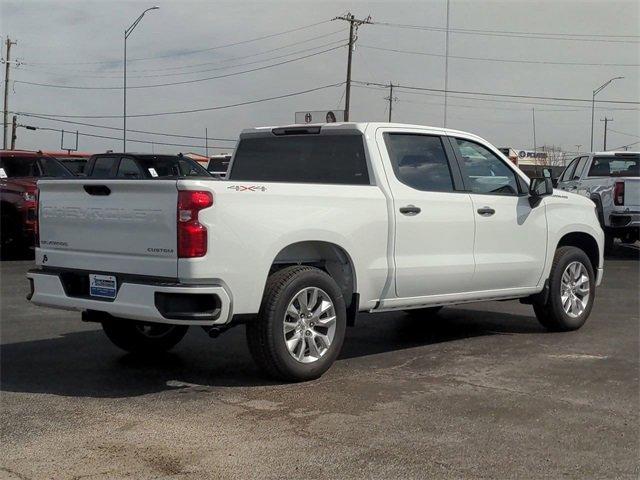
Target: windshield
[(15, 167), (172, 167), (618, 166)]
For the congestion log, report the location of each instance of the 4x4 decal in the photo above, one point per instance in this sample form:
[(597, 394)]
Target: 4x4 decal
[(247, 188)]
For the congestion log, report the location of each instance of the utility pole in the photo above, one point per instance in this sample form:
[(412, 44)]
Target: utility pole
[(14, 125), (391, 99), (606, 121), (354, 23), (446, 67), (7, 62), (206, 142), (533, 110), (578, 148)]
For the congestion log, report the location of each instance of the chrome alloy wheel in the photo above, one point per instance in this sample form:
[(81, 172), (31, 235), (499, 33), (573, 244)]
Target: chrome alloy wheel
[(309, 324), (575, 289)]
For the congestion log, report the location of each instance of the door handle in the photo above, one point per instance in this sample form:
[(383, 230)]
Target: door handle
[(410, 210), (486, 211)]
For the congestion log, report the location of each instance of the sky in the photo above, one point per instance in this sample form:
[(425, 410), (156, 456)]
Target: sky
[(80, 44)]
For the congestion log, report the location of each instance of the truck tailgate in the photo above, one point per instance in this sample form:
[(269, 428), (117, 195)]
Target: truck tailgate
[(632, 193), (119, 226)]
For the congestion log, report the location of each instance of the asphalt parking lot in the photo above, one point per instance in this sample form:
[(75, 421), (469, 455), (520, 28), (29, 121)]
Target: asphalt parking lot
[(480, 391)]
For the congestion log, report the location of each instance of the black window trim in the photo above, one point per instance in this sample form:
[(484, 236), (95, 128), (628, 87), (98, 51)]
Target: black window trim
[(454, 168), (522, 191)]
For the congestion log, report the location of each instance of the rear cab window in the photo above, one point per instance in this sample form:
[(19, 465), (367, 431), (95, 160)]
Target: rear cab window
[(329, 158), (615, 166)]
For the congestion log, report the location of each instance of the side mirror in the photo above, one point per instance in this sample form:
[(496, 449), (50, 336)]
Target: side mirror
[(538, 188)]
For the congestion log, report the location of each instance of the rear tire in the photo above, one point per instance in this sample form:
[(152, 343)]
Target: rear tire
[(571, 291), (301, 325), (420, 313), (142, 337)]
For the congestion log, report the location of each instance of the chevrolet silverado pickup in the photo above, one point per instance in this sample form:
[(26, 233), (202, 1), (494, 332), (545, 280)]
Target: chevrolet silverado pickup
[(612, 181), (312, 225)]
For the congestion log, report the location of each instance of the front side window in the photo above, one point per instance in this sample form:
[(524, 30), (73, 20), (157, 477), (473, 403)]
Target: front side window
[(620, 166), (579, 167), (102, 167), (486, 172), (419, 161), (330, 159), (128, 169), (568, 172)]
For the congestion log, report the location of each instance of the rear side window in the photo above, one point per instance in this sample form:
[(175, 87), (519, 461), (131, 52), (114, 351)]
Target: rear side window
[(419, 161), (128, 169), (102, 166), (332, 159)]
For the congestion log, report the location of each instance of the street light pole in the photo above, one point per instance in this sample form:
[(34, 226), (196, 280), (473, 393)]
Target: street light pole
[(593, 103), (127, 32)]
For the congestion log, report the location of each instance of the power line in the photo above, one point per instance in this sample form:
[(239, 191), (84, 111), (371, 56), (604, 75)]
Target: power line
[(128, 129), (514, 34), (623, 133), (430, 94), (565, 99), (264, 37), (625, 146), (184, 82), (129, 140), (501, 60), (195, 110), (118, 73)]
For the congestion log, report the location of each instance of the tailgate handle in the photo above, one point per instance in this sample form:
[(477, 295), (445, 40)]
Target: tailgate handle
[(102, 190)]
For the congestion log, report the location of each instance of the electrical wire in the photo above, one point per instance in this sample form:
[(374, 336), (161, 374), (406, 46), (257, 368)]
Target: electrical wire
[(118, 73), (500, 60), (623, 133), (184, 82), (133, 140), (164, 134), (195, 110), (191, 52), (564, 99), (514, 34), (226, 67)]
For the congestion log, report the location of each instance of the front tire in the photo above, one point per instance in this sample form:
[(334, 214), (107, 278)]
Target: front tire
[(571, 291), (301, 325), (142, 337)]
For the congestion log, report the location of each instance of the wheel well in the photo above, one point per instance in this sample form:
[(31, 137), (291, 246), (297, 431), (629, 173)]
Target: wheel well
[(326, 256), (584, 242)]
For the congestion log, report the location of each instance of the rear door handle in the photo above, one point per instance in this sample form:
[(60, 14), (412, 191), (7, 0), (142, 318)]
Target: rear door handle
[(486, 211), (410, 210)]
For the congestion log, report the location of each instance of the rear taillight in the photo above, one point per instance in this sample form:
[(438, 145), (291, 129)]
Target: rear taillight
[(618, 193), (192, 235)]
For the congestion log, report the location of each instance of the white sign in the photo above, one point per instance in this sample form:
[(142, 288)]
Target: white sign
[(3, 174), (153, 172), (320, 116)]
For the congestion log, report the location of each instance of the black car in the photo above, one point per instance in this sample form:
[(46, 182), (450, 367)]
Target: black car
[(142, 166)]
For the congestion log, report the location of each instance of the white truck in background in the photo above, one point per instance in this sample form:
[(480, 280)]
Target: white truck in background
[(612, 181), (314, 224)]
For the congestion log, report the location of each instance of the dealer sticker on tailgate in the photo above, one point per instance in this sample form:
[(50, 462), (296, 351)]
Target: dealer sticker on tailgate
[(102, 286)]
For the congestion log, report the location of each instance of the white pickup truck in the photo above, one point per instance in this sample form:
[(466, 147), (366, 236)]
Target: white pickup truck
[(612, 181), (313, 225)]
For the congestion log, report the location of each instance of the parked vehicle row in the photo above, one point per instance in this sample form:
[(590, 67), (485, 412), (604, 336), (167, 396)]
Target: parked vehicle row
[(19, 173), (312, 225), (612, 181)]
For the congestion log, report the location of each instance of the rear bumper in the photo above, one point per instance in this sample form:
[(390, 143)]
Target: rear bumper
[(627, 219), (134, 300)]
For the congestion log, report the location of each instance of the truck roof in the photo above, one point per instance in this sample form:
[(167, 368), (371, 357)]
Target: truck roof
[(362, 126), (611, 153)]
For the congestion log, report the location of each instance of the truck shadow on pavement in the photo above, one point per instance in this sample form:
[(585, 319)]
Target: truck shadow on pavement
[(86, 364)]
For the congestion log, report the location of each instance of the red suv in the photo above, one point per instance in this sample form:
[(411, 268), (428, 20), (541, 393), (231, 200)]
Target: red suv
[(19, 173)]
